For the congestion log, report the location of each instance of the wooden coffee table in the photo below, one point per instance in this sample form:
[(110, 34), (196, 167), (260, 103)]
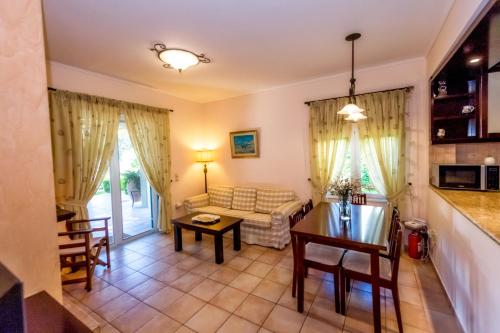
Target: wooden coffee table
[(217, 230)]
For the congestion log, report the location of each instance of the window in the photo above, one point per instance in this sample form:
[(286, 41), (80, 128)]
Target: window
[(355, 166)]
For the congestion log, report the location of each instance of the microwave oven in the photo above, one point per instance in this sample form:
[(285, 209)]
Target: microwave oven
[(465, 176)]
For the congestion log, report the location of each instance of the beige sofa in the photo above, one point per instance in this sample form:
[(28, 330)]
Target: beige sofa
[(264, 211)]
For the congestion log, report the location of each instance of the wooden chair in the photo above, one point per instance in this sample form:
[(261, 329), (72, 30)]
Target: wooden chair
[(75, 253), (358, 199), (308, 206), (317, 256), (356, 266)]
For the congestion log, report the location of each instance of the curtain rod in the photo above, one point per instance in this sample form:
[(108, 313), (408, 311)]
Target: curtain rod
[(408, 88), (54, 89)]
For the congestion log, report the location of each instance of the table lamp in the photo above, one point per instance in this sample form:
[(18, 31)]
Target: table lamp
[(205, 156)]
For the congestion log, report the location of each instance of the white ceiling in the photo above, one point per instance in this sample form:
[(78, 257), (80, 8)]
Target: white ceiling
[(254, 45)]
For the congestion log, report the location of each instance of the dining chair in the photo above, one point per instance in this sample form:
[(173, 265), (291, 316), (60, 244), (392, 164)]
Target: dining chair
[(308, 206), (358, 199), (356, 266), (81, 249), (317, 256)]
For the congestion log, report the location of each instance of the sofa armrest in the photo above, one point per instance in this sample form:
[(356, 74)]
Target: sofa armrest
[(282, 212), (197, 201)]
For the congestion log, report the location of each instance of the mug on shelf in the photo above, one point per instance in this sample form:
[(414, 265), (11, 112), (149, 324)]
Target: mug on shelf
[(441, 133), (468, 109)]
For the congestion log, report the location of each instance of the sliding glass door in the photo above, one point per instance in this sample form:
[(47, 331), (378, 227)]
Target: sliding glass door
[(125, 194)]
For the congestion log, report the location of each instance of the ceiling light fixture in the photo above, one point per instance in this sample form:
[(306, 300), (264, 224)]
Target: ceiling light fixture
[(178, 59), (353, 111)]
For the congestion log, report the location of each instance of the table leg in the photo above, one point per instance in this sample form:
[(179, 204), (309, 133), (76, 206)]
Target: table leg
[(236, 237), (178, 238), (300, 273), (375, 274), (219, 254), (197, 235)]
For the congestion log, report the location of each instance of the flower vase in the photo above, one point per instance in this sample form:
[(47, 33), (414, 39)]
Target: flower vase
[(345, 209)]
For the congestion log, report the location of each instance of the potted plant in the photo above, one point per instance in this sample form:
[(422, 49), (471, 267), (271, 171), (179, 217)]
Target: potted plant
[(133, 184), (343, 189)]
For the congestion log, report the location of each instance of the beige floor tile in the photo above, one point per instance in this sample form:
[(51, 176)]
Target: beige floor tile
[(146, 289), (236, 324), (96, 299), (323, 309), (255, 309), (391, 326), (408, 294), (188, 263), (411, 314), (252, 253), (270, 258), (408, 279), (224, 275), (184, 329), (280, 275), (327, 290), (118, 274), (259, 269), (229, 299), (207, 289), (358, 321), (174, 258), (436, 301), (160, 323), (131, 281), (205, 269), (155, 268), (239, 263), (362, 300), (162, 299), (169, 275), (109, 329), (441, 322), (269, 290), (263, 330), (284, 320), (286, 263), (117, 307), (187, 282), (141, 263), (78, 291), (312, 325), (184, 308), (246, 282), (290, 302), (134, 318), (208, 319), (312, 284)]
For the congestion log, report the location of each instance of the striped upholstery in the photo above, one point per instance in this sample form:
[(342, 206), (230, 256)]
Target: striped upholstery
[(258, 220), (221, 196), (244, 198), (268, 200), (200, 200), (212, 210)]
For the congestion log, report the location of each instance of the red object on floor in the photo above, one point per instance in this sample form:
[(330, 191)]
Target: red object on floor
[(415, 245)]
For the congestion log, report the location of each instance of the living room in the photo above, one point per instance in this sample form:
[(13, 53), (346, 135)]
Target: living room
[(262, 78)]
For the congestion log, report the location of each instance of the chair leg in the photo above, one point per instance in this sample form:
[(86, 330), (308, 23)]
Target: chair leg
[(395, 297), (108, 260), (294, 282), (348, 284), (342, 282), (306, 271), (336, 278)]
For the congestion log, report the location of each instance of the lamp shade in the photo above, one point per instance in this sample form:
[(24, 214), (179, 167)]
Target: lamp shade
[(179, 59), (204, 156), (350, 109), (356, 116)]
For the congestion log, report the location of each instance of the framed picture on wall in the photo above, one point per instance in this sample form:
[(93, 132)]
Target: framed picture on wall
[(244, 144)]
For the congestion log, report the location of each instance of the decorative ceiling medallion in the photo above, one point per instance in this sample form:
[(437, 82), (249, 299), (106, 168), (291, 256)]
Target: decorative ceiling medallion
[(178, 59)]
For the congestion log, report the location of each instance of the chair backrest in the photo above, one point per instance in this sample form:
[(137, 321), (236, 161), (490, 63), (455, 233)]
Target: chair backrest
[(398, 240), (308, 206), (358, 199), (294, 218), (394, 220)]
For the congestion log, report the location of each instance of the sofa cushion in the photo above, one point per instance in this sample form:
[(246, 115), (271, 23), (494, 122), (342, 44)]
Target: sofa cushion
[(267, 200), (221, 196), (236, 213), (212, 210), (244, 198), (258, 220)]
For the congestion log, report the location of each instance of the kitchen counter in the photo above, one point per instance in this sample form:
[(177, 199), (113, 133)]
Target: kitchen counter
[(481, 208)]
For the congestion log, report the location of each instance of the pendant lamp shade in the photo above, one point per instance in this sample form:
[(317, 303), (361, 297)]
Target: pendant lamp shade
[(350, 108)]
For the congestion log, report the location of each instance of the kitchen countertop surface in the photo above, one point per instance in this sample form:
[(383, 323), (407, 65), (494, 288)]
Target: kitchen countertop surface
[(481, 208)]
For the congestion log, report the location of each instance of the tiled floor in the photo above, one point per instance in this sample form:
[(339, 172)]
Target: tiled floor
[(151, 288)]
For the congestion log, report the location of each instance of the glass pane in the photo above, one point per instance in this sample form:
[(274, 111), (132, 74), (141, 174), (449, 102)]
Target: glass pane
[(366, 183), (100, 205), (135, 190)]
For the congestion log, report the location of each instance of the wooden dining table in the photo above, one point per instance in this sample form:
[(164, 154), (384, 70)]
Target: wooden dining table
[(365, 232)]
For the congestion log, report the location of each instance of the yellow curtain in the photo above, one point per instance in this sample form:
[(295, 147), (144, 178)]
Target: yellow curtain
[(329, 139), (84, 132), (149, 133), (383, 141)]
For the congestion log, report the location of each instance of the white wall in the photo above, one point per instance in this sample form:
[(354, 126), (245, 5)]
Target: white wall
[(185, 122), (282, 119), (28, 241), (464, 257)]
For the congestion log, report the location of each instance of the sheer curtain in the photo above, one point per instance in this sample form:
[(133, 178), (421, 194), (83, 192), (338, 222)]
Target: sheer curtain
[(329, 141), (383, 141), (149, 133), (84, 132)]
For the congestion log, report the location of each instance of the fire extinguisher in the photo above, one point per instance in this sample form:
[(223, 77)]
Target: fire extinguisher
[(415, 245), (418, 240)]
